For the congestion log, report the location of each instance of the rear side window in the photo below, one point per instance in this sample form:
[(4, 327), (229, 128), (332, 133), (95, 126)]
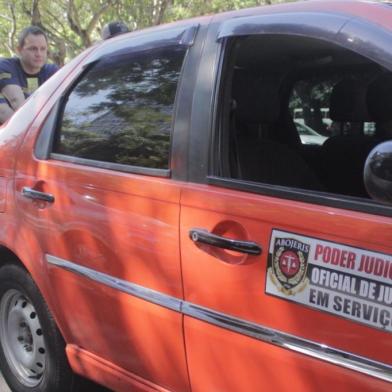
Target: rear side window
[(121, 110)]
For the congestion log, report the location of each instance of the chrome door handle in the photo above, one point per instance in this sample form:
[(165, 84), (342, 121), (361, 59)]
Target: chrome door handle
[(31, 193), (205, 237)]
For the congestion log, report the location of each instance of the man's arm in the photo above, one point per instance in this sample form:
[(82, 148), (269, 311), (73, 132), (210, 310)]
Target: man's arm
[(15, 97), (5, 112)]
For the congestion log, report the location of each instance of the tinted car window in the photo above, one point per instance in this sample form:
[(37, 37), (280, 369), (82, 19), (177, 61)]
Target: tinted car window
[(333, 94), (121, 110)]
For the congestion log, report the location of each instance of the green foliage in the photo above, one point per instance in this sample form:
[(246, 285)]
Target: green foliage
[(73, 25)]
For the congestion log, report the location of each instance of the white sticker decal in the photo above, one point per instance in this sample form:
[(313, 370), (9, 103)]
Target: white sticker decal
[(339, 279)]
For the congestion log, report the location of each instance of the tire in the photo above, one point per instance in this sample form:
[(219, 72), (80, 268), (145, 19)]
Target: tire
[(32, 350)]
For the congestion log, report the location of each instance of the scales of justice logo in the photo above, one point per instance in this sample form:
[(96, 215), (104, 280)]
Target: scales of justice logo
[(288, 265)]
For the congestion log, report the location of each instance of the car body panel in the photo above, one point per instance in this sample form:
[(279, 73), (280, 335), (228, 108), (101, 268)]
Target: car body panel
[(253, 365), (98, 221), (242, 279)]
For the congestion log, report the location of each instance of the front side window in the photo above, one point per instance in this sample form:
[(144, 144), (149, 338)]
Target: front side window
[(121, 111), (304, 117)]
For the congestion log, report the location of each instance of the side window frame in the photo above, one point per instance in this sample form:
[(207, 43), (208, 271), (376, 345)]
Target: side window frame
[(181, 36), (351, 35)]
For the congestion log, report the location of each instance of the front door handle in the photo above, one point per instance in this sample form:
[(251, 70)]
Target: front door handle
[(31, 193), (205, 237)]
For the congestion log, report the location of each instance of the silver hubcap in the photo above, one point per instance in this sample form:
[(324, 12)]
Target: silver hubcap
[(21, 338)]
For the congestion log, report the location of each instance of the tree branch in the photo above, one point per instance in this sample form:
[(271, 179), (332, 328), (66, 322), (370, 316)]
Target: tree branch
[(97, 15), (12, 33), (163, 4), (6, 17)]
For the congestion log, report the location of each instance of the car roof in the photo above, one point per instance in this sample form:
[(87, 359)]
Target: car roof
[(378, 12), (375, 12)]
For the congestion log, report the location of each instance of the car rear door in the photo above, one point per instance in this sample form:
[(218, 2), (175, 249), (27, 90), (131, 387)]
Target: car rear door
[(97, 193), (284, 289)]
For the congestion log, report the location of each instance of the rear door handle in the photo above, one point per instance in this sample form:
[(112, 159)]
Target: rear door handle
[(31, 193), (205, 237)]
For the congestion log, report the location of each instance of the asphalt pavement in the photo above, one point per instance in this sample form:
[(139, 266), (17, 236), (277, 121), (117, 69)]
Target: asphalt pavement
[(87, 385), (3, 385)]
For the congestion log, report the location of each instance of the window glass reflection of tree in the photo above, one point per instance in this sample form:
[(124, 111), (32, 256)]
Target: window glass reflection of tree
[(122, 110)]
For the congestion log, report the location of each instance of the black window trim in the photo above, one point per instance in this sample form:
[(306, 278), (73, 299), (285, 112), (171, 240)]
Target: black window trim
[(317, 24), (111, 166), (183, 36), (374, 49), (303, 195)]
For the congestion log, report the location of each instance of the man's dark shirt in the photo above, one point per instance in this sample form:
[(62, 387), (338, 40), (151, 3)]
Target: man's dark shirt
[(11, 72)]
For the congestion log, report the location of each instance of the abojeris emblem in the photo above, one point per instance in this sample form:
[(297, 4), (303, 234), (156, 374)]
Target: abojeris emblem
[(288, 265)]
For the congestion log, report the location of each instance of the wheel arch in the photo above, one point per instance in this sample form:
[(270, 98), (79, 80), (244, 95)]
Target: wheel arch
[(8, 256)]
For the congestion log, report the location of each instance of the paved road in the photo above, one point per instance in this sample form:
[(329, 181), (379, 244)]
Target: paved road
[(3, 385), (89, 386)]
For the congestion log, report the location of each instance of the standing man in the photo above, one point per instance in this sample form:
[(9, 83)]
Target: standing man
[(20, 76)]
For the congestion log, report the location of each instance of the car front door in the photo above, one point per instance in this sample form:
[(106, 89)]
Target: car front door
[(284, 287)]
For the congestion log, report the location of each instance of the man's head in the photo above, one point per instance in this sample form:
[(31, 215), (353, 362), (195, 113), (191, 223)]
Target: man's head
[(32, 49), (113, 28)]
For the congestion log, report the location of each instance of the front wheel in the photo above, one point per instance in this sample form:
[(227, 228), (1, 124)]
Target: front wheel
[(32, 355)]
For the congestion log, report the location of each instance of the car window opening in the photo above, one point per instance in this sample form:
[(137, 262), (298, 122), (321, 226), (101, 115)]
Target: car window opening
[(302, 113), (121, 110)]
